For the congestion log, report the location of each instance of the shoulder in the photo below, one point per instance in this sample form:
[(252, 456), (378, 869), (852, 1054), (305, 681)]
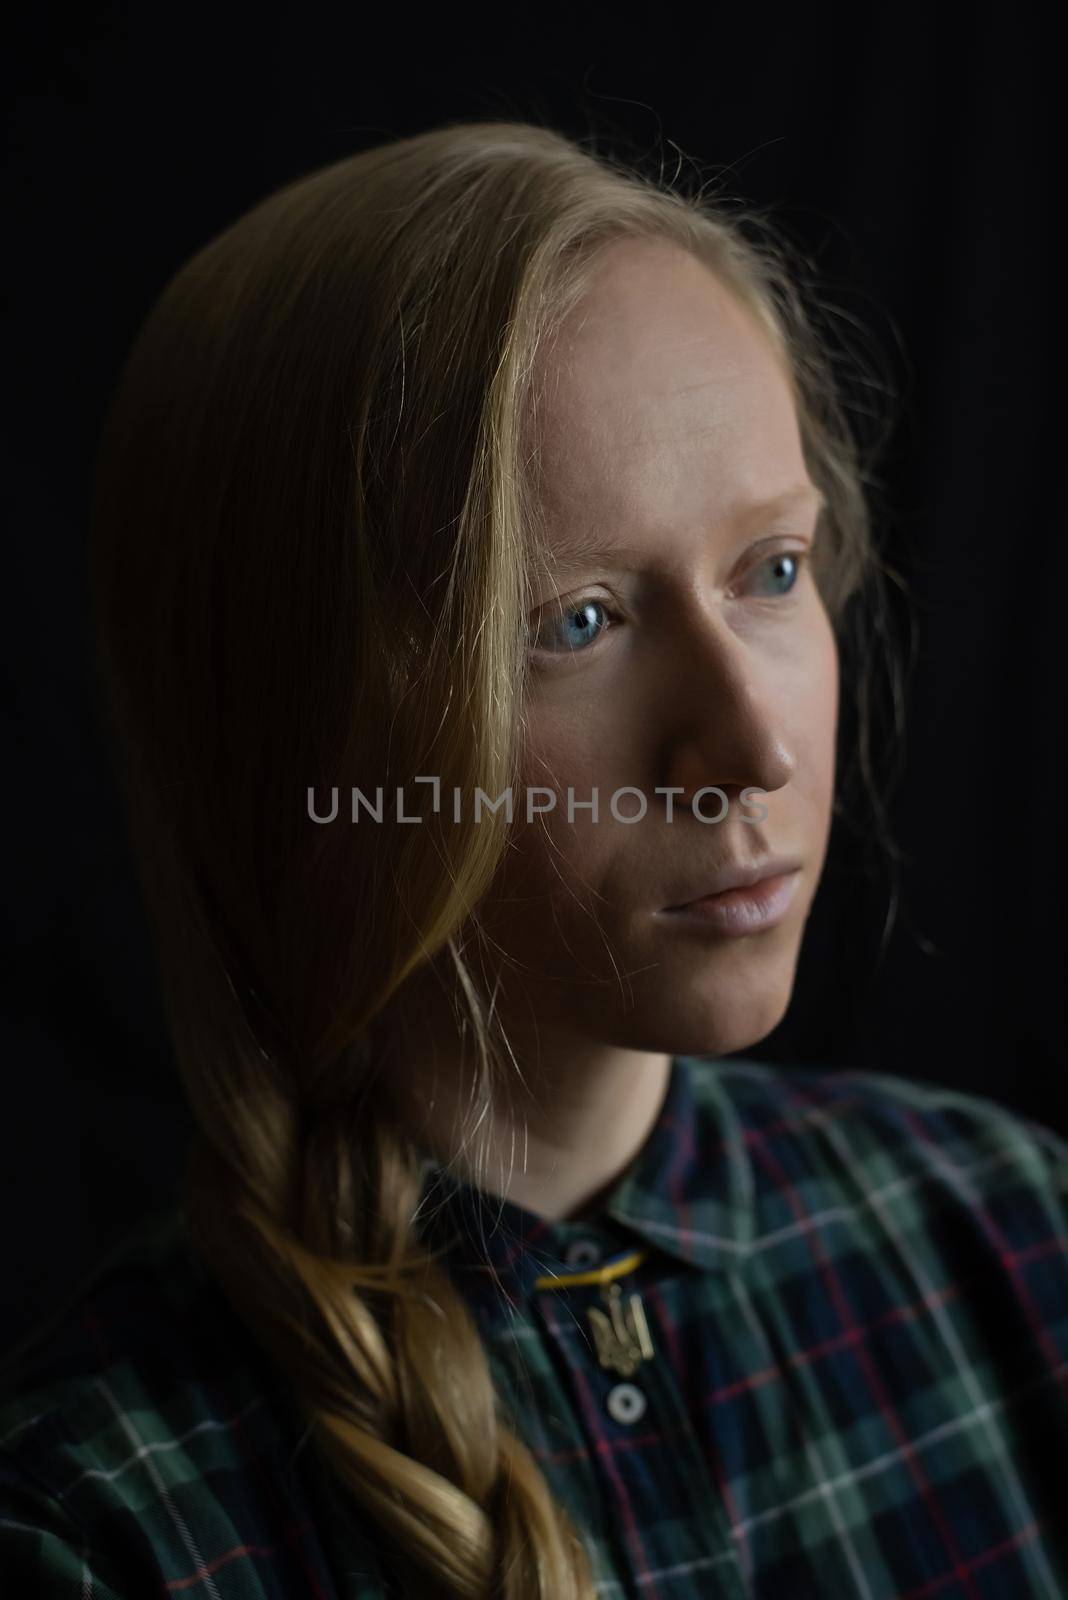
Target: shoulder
[(144, 1442), (876, 1171), (905, 1126)]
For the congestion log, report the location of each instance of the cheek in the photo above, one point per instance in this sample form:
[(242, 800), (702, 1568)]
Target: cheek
[(817, 748), (539, 912), (815, 716), (539, 906), (550, 861), (574, 741), (827, 702), (569, 752)]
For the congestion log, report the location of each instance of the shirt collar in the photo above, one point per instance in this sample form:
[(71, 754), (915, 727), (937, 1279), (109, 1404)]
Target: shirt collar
[(687, 1195)]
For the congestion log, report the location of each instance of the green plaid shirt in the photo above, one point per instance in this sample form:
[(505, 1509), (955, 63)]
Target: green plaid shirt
[(813, 1343)]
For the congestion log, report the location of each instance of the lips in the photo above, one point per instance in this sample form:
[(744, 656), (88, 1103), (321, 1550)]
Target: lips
[(751, 909), (735, 875)]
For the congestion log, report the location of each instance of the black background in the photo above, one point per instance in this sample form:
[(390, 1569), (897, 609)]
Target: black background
[(911, 154)]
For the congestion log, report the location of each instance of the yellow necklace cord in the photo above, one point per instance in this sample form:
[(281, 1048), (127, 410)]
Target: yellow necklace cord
[(578, 1280)]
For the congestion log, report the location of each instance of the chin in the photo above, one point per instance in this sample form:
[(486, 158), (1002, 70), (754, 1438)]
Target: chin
[(680, 1020), (724, 1036), (717, 1014)]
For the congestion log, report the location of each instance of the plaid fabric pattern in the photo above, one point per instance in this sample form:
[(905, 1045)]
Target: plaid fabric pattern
[(853, 1378)]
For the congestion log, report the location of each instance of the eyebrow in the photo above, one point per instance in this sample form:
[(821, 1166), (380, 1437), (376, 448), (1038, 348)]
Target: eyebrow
[(588, 553)]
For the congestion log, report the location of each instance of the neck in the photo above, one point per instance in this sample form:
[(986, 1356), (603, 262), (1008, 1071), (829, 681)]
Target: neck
[(570, 1117)]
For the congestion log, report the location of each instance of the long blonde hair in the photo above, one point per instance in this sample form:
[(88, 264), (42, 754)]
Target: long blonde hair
[(312, 516)]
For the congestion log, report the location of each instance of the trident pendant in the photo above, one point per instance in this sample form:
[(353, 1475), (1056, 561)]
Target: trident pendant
[(622, 1337)]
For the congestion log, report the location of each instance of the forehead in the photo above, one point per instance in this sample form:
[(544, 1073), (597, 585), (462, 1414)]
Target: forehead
[(662, 405)]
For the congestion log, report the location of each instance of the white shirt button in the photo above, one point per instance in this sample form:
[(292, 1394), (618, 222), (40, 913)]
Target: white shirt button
[(583, 1253), (625, 1403)]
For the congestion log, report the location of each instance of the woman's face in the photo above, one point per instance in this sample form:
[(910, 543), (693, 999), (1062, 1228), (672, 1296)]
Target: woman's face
[(675, 649)]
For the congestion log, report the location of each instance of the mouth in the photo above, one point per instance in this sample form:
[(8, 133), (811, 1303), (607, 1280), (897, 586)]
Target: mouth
[(743, 908)]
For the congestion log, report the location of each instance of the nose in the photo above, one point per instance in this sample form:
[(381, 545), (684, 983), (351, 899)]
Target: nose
[(726, 713)]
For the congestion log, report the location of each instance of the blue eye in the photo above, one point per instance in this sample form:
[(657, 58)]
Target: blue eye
[(786, 567), (573, 628), (576, 626)]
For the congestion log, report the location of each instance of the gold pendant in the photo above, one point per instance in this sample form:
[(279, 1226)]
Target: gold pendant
[(622, 1337)]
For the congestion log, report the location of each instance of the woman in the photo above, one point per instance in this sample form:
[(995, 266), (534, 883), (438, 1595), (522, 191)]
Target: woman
[(474, 532)]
